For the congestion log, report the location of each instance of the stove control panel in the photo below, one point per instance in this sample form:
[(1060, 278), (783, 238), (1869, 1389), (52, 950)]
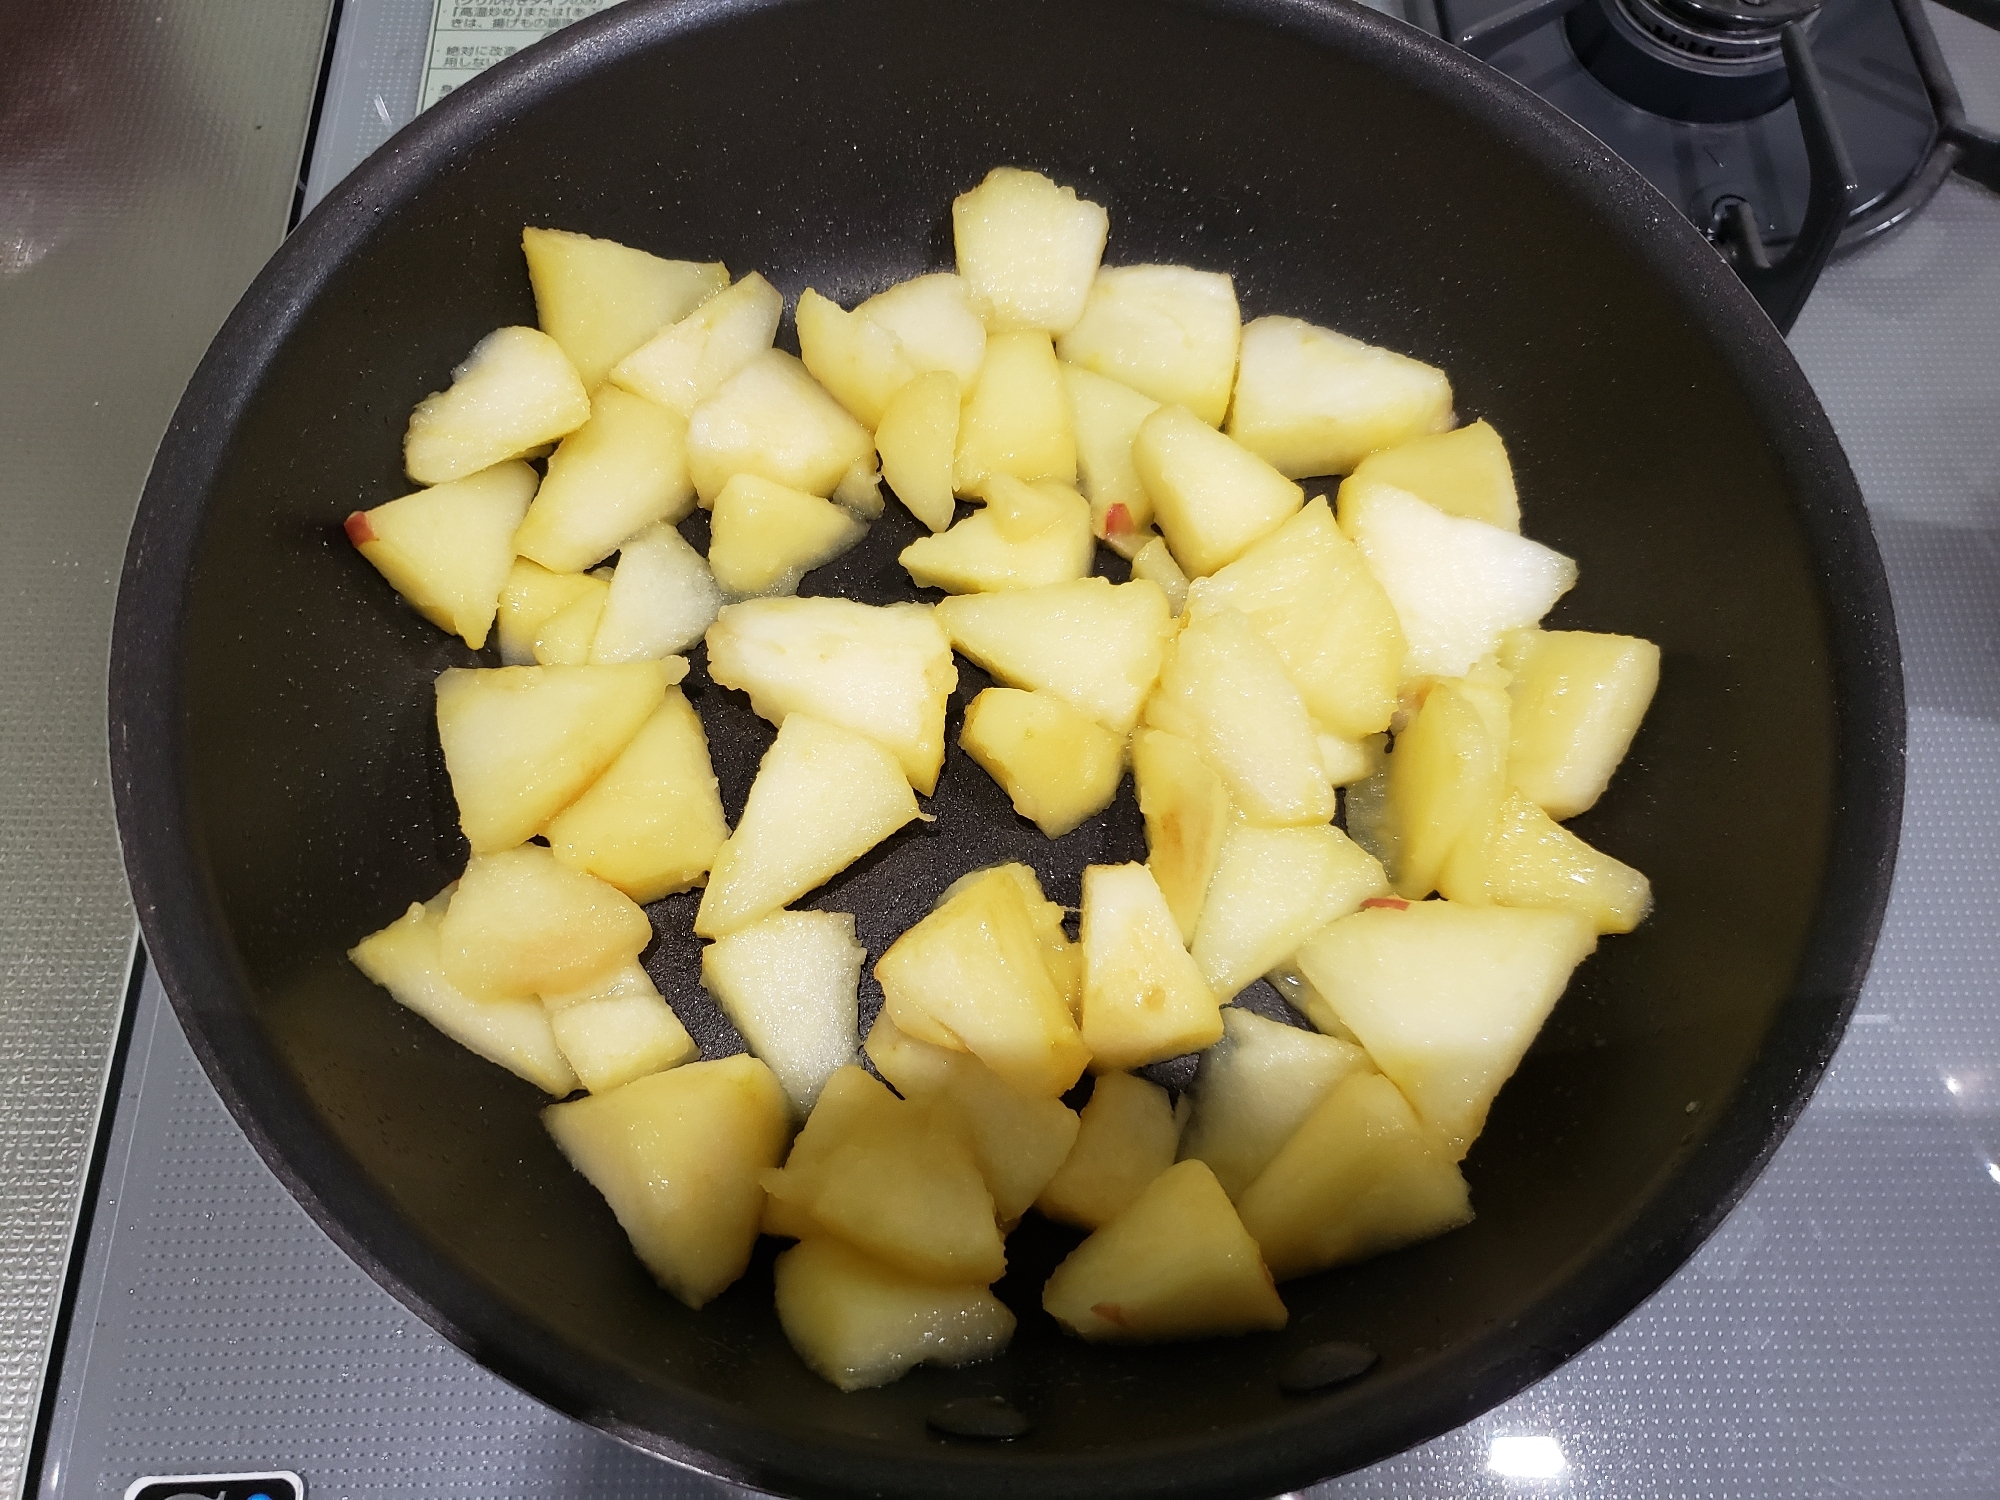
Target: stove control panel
[(273, 1486)]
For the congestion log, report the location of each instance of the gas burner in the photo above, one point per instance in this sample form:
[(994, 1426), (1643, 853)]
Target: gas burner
[(1788, 131)]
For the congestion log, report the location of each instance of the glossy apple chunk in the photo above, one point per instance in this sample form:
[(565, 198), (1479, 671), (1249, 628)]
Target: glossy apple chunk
[(1360, 1176), (1168, 332), (1186, 809), (1458, 586), (1308, 591), (617, 1028), (652, 822), (523, 923), (824, 796), (601, 300), (1028, 250), (1212, 498), (1578, 700), (565, 638), (1255, 1088), (1312, 401), (1177, 1264), (1444, 779), (1154, 562), (1143, 998), (1062, 958), (522, 743), (678, 1155), (788, 983), (687, 362), (765, 536), (933, 319), (974, 975), (531, 596), (860, 362), (514, 392), (1094, 644), (448, 549), (617, 474), (1056, 765), (1446, 998), (1464, 472), (1126, 1138), (1106, 416), (858, 1323), (1273, 888), (407, 960), (1023, 536), (884, 671), (918, 444), (772, 419), (850, 1096), (1523, 857), (662, 598), (1225, 691), (1016, 416), (1019, 1140)]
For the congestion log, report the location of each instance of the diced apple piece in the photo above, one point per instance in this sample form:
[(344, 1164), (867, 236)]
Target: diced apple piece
[(1019, 1140), (1358, 1177), (1106, 416), (1297, 991), (1056, 765), (850, 1095), (1224, 690), (1212, 498), (1186, 810), (1094, 644), (1578, 699), (523, 923), (687, 362), (601, 300), (448, 549), (1062, 958), (1309, 592), (662, 598), (531, 596), (1273, 889), (1127, 1138), (918, 441), (933, 319), (652, 823), (788, 983), (1523, 857), (1177, 1264), (617, 1028), (1446, 998), (1464, 472), (1016, 416), (824, 796), (514, 392), (974, 975), (522, 743), (858, 1323), (1458, 585), (1028, 250), (1025, 536), (512, 1030), (1445, 779), (901, 1184), (678, 1156), (1168, 332), (1154, 563), (1143, 998), (860, 490), (1312, 401), (565, 637), (855, 358), (765, 536), (773, 420), (614, 476), (1255, 1088), (884, 671), (1348, 761)]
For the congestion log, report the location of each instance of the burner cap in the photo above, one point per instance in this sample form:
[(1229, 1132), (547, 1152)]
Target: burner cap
[(1703, 61), (1749, 15)]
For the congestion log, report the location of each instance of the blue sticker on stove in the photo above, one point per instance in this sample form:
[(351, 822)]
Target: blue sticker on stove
[(271, 1486)]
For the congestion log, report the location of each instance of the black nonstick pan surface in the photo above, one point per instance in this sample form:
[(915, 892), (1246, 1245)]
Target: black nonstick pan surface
[(280, 791)]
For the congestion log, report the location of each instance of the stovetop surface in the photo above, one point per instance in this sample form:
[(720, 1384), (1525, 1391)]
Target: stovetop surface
[(1840, 1335)]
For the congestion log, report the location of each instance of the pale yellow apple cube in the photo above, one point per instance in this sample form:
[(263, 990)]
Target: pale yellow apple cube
[(1169, 332), (620, 472), (528, 599), (687, 362), (1028, 250), (1186, 809), (601, 300), (566, 637), (789, 984), (448, 550), (1523, 857), (1127, 1137), (772, 419), (934, 321), (1155, 564), (1274, 888), (523, 923), (1464, 472), (514, 392), (1016, 416), (918, 442), (1212, 498), (617, 1028), (1106, 416), (1023, 536), (765, 536), (1445, 779), (1144, 1000), (1058, 766), (1578, 699)]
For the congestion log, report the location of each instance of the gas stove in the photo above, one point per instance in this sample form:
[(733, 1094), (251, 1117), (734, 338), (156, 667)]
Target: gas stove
[(1839, 1335)]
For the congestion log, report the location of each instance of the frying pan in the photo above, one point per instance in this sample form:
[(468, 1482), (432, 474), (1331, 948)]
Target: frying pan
[(280, 790)]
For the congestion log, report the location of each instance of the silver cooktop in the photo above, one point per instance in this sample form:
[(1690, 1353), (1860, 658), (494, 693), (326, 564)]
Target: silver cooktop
[(1840, 1335)]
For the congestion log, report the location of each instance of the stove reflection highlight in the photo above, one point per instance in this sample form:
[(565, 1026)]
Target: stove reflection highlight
[(1522, 1456)]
